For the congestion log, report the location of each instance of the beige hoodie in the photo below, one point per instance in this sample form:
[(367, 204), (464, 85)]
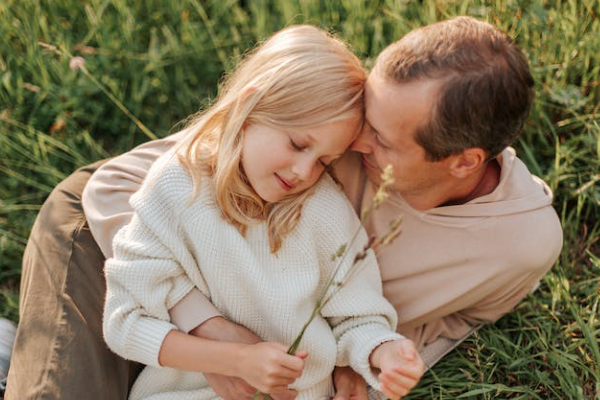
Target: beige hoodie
[(451, 268)]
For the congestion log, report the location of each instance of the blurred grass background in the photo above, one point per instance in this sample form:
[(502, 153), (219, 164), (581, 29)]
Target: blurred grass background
[(162, 59)]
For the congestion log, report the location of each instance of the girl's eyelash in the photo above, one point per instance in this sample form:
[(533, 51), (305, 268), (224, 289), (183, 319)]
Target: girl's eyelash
[(297, 147)]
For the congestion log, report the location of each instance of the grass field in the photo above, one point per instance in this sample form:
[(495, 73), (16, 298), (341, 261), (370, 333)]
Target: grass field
[(160, 60)]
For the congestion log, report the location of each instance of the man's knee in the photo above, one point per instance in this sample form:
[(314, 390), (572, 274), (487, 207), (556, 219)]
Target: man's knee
[(59, 350)]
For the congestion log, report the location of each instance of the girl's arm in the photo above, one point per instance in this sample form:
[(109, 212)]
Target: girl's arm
[(265, 365)]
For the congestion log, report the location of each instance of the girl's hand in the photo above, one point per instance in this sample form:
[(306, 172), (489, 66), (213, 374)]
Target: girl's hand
[(268, 367), (401, 367)]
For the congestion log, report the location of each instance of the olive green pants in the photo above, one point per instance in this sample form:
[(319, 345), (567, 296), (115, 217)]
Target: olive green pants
[(59, 351)]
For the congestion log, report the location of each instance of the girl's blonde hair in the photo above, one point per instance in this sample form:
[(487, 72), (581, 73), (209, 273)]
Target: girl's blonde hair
[(300, 77)]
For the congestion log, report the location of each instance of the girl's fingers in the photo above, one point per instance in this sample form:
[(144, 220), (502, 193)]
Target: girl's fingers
[(286, 373), (293, 363), (411, 370), (278, 346), (301, 353), (408, 350), (389, 393), (405, 381), (396, 383)]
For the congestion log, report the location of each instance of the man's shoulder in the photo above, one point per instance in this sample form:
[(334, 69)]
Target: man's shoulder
[(535, 237)]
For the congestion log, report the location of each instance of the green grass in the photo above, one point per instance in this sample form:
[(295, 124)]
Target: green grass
[(162, 59)]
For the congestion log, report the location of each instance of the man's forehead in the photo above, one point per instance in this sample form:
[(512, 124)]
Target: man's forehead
[(398, 106)]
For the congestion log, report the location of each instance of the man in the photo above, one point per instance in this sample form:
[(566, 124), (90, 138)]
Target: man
[(442, 106)]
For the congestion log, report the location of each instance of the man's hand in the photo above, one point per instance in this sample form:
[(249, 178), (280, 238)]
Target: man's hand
[(227, 387), (401, 367), (349, 385)]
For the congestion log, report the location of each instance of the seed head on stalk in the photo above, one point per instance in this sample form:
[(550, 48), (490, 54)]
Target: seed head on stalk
[(335, 282)]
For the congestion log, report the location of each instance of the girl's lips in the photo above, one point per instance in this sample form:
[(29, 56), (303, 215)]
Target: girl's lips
[(286, 185)]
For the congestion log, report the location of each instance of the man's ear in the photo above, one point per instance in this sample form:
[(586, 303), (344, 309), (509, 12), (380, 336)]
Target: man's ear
[(466, 163)]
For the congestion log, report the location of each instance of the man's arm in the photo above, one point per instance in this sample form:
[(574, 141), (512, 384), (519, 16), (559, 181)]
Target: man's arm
[(492, 300), (106, 206)]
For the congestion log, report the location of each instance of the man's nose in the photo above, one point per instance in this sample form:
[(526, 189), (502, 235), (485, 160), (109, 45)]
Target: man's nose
[(364, 142)]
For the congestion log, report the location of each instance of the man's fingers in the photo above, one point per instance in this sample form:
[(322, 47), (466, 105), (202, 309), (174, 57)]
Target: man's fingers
[(360, 392), (230, 388), (285, 394), (342, 392)]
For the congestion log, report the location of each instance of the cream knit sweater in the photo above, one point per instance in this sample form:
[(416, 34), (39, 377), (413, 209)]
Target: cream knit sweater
[(172, 246)]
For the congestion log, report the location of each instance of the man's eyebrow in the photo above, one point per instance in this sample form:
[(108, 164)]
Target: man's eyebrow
[(379, 136)]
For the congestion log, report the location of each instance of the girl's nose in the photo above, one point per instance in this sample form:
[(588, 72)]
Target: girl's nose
[(364, 142), (304, 167)]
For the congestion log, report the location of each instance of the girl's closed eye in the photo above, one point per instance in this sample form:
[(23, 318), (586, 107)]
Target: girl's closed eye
[(296, 146), (299, 147)]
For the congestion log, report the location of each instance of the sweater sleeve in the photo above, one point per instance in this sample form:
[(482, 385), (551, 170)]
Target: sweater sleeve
[(152, 269), (360, 317)]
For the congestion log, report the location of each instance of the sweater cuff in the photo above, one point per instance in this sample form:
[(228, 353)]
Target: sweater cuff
[(147, 339), (365, 339)]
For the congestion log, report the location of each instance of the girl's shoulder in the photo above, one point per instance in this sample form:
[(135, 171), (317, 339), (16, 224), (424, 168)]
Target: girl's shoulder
[(167, 183), (329, 204)]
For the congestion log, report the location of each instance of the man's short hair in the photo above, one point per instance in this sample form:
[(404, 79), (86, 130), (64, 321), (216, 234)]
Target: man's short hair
[(486, 88)]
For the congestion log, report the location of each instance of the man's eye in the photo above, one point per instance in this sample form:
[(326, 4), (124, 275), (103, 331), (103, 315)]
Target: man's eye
[(296, 146), (378, 140)]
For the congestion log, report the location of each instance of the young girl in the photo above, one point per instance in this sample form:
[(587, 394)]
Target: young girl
[(243, 211)]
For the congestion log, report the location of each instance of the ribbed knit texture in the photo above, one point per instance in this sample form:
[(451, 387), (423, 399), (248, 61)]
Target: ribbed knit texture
[(172, 246)]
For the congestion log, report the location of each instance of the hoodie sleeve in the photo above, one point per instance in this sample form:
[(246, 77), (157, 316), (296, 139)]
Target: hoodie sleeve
[(105, 202), (106, 196), (515, 272)]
